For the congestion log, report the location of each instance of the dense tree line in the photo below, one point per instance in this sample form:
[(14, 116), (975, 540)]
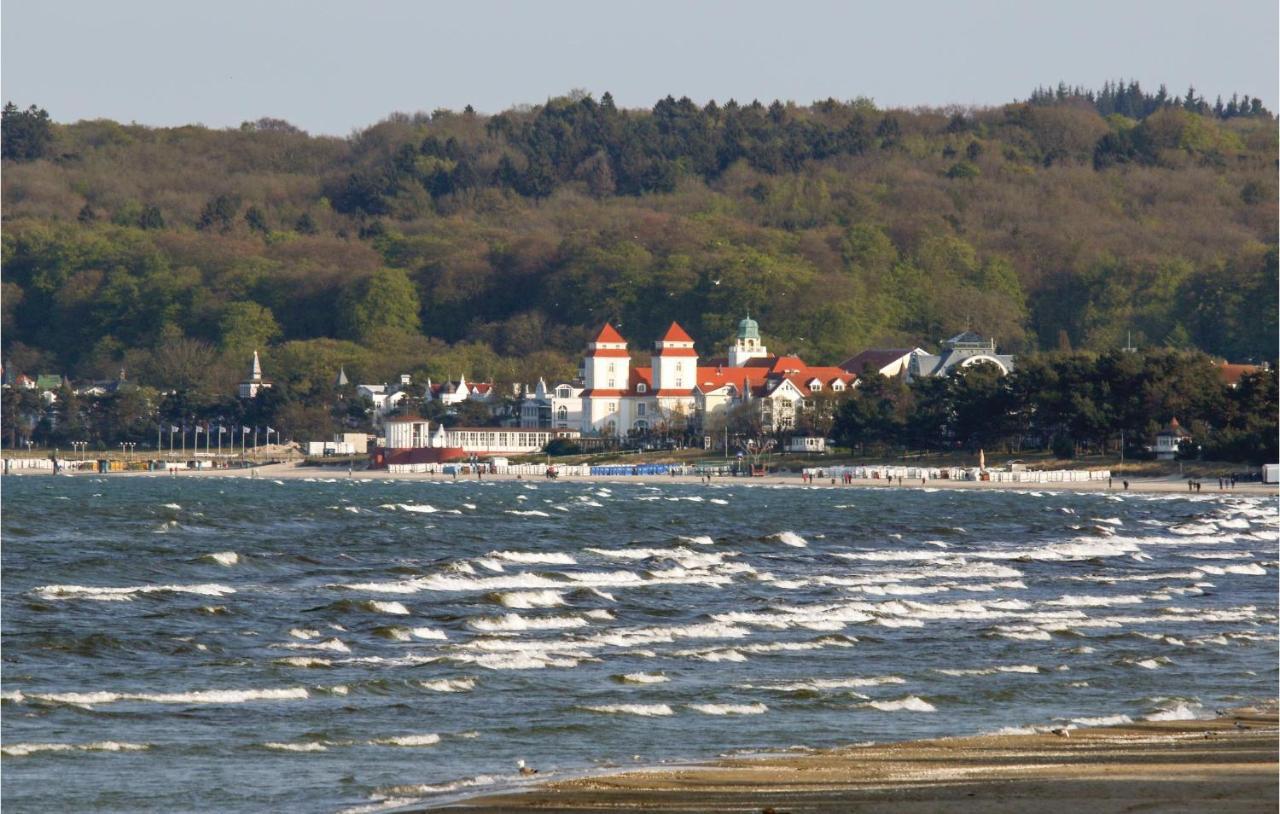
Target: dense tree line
[(1130, 100), (457, 243), (1071, 403)]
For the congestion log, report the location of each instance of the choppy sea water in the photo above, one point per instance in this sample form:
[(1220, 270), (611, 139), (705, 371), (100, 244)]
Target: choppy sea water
[(236, 645)]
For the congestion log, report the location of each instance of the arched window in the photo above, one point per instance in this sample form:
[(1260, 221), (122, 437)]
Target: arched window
[(611, 428), (563, 413), (642, 388)]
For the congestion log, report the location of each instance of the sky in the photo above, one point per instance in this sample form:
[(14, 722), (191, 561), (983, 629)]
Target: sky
[(335, 66)]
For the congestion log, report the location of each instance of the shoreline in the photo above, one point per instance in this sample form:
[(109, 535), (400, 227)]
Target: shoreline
[(1226, 764), (295, 471)]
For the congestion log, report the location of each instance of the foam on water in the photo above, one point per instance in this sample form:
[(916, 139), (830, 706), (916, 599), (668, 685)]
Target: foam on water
[(524, 600), (516, 622), (449, 684), (908, 704), (24, 749), (643, 678), (430, 739), (127, 593), (645, 710), (194, 697), (789, 538), (227, 558), (534, 557), (729, 709)]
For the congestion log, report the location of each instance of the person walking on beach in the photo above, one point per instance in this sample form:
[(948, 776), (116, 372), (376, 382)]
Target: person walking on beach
[(1125, 484)]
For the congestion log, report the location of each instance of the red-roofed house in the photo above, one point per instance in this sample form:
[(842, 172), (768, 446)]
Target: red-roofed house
[(675, 392), (1232, 374)]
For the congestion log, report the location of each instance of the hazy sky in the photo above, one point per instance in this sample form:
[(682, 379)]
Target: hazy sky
[(332, 66)]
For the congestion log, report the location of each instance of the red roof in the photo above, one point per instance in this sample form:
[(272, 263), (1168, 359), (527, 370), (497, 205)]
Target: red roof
[(599, 392), (610, 352), (676, 334), (609, 334), (1232, 374), (677, 352)]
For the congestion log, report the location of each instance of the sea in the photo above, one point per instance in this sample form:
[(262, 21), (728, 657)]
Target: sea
[(336, 645)]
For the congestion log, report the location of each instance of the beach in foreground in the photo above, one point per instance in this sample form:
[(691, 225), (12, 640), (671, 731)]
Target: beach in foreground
[(294, 470), (1224, 765)]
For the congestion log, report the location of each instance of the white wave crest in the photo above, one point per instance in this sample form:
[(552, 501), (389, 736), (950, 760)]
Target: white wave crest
[(227, 558), (430, 739), (449, 684), (118, 594), (516, 622), (789, 538), (24, 749), (646, 710), (195, 697), (644, 678), (524, 600), (1103, 720), (730, 709), (296, 747), (1180, 712), (910, 704), (534, 557), (394, 608)]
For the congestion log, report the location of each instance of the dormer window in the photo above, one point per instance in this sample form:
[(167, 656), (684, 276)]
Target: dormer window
[(815, 386), (837, 385), (564, 392), (642, 388)]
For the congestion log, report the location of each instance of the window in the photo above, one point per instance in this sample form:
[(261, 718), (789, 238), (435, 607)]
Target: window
[(837, 385), (613, 406), (611, 367), (642, 388), (679, 367), (679, 382), (564, 392), (815, 386), (640, 409), (563, 414)]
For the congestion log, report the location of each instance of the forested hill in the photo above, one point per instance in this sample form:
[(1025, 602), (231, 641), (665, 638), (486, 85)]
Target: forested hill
[(457, 242)]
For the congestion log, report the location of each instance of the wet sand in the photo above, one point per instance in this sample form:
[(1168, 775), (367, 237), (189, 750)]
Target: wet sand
[(283, 471), (1223, 765)]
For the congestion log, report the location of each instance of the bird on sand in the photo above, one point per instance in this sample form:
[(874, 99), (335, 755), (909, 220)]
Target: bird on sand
[(1061, 732)]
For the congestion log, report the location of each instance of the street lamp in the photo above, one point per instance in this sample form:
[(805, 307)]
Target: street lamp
[(80, 445)]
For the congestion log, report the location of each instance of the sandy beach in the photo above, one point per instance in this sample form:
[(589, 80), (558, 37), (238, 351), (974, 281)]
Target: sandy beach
[(281, 471), (1224, 765)]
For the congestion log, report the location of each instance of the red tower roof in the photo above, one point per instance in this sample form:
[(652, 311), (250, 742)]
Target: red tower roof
[(609, 334), (676, 334)]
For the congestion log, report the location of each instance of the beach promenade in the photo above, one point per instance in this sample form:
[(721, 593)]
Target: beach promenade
[(281, 471)]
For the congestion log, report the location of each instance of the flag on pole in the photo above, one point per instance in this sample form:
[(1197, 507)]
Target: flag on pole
[(198, 429), (172, 428), (244, 430), (221, 429), (270, 430)]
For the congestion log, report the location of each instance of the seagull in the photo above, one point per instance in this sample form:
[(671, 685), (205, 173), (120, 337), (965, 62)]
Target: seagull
[(525, 770), (1061, 732), (716, 282)]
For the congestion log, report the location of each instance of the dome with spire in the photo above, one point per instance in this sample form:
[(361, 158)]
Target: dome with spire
[(748, 328)]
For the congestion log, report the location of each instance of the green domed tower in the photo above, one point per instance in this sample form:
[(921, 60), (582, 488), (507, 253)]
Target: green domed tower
[(748, 344)]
